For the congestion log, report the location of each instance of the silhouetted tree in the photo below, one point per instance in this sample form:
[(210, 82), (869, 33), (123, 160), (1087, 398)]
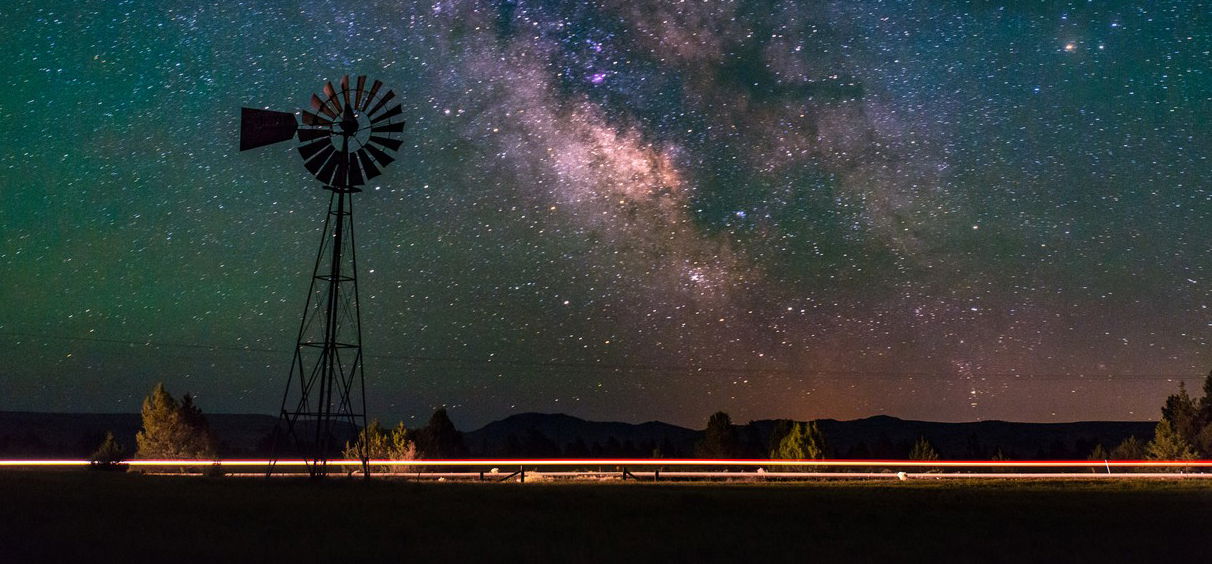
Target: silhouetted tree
[(923, 450), (1205, 403), (439, 438), (777, 432), (1099, 453), (1203, 417), (576, 449), (172, 429), (1191, 418), (192, 415), (720, 438), (1130, 449), (109, 452), (1182, 414), (1203, 441)]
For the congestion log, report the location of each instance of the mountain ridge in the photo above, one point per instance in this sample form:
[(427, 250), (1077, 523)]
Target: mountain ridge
[(24, 433)]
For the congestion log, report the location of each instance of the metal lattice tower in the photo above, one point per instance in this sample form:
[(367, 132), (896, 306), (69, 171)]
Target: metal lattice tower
[(344, 141)]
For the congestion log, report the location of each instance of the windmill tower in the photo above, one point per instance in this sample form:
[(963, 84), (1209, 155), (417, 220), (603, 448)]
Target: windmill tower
[(345, 140)]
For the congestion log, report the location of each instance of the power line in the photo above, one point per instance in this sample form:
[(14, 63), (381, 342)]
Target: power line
[(491, 363)]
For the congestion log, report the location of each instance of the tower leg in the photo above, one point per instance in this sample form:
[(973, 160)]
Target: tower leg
[(324, 402)]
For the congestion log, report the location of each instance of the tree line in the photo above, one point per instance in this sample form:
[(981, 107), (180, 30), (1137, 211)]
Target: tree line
[(172, 429), (1183, 433), (177, 429)]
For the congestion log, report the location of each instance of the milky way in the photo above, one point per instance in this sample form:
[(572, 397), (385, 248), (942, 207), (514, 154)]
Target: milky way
[(623, 210)]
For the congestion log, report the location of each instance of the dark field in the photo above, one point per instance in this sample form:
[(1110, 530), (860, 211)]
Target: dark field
[(99, 516)]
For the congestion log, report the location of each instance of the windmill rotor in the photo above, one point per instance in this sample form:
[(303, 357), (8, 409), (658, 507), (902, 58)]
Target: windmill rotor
[(346, 137)]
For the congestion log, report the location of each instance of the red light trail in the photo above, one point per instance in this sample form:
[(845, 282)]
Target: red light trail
[(646, 462)]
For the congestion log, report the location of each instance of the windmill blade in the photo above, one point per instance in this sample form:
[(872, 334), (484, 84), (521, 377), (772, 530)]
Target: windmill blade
[(316, 163), (383, 158), (313, 119), (393, 144), (345, 89), (355, 171), (396, 127), (309, 150), (374, 89), (306, 134), (368, 164), (319, 105), (264, 127), (331, 93), (330, 168), (331, 159), (394, 111), (386, 98), (361, 90)]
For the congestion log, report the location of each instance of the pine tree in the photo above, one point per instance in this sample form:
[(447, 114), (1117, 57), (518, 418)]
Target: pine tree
[(804, 441), (110, 452), (1130, 449), (923, 450), (719, 439), (1203, 417), (173, 430), (439, 438), (1168, 444), (1181, 412), (1205, 403), (1099, 453), (1203, 441)]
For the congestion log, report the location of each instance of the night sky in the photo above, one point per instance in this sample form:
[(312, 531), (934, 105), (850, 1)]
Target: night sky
[(623, 210)]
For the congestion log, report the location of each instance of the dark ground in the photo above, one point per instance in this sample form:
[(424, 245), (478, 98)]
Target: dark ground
[(110, 517)]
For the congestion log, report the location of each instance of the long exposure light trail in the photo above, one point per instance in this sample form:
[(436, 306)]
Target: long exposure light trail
[(640, 462)]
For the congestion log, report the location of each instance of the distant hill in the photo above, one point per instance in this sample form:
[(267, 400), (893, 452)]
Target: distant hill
[(72, 435), (524, 434), (534, 434)]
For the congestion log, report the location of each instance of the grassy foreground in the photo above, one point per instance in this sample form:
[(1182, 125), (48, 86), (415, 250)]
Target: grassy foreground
[(104, 517)]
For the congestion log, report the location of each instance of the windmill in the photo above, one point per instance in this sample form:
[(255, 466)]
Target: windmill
[(345, 139)]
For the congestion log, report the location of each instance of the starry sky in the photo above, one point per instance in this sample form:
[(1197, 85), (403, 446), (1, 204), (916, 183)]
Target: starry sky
[(623, 209)]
